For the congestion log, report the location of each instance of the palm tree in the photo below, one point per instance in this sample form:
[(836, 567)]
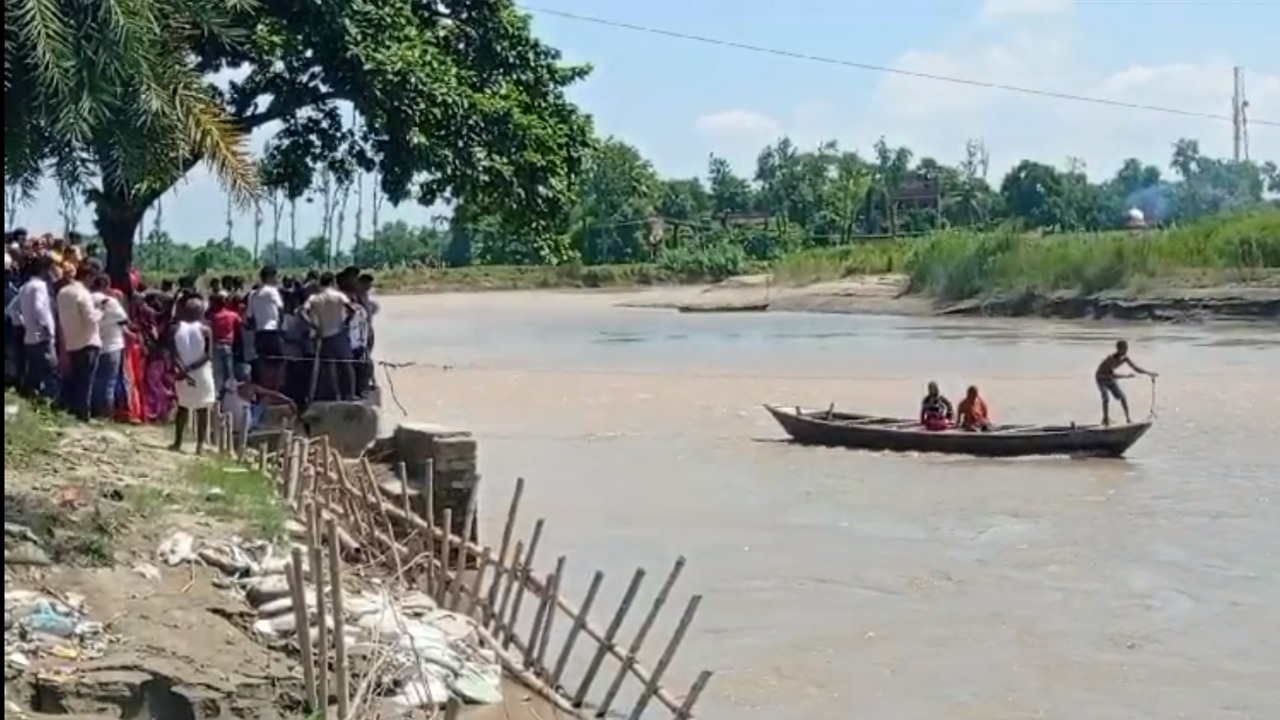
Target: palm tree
[(108, 91)]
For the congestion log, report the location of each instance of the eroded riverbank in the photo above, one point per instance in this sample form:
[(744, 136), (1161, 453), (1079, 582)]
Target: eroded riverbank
[(887, 295)]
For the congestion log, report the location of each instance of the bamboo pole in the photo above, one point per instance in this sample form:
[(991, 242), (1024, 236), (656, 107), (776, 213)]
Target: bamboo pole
[(545, 603), (243, 444), (522, 581), (442, 587), (553, 593), (691, 698), (429, 509), (322, 626), (596, 581), (524, 571), (464, 556), (629, 661), (476, 596), (499, 619), (610, 633), (302, 623), (507, 531), (339, 620), (664, 662)]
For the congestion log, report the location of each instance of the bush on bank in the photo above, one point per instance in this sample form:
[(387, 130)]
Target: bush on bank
[(955, 266)]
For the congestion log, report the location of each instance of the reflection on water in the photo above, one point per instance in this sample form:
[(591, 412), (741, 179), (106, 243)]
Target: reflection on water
[(844, 584)]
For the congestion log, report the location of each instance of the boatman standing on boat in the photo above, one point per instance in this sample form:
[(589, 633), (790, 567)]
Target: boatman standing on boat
[(1107, 378)]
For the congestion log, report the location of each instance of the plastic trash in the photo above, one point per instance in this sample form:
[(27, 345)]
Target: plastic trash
[(45, 618)]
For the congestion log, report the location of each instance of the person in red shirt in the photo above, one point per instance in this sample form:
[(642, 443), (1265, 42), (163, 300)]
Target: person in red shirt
[(224, 322)]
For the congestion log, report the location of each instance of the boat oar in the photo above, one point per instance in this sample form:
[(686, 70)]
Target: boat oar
[(831, 411)]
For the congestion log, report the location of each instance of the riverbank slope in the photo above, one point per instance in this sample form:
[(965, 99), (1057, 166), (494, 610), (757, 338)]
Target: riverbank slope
[(1221, 267)]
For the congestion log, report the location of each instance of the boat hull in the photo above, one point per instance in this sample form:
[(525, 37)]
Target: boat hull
[(869, 432)]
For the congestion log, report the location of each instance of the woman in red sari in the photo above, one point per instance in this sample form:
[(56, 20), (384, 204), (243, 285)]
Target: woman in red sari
[(156, 386), (131, 408)]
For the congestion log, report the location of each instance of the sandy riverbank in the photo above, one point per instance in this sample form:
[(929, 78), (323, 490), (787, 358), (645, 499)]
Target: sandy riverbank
[(887, 295)]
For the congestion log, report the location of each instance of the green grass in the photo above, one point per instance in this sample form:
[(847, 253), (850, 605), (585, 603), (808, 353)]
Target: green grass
[(225, 489), (31, 434), (954, 266)]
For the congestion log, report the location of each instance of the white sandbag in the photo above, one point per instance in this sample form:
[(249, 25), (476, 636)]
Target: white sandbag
[(280, 565), (177, 549), (477, 682), (284, 605), (427, 692), (265, 589), (223, 560)]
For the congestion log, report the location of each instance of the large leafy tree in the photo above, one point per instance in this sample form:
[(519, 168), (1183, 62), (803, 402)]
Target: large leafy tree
[(106, 91), (454, 101)]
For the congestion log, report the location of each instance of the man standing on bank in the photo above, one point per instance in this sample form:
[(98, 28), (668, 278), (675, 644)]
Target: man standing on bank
[(1107, 379)]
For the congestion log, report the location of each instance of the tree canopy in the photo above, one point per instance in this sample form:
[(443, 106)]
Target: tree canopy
[(458, 102), (624, 211)]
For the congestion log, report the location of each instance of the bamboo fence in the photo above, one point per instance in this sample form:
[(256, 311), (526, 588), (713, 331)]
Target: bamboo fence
[(358, 525)]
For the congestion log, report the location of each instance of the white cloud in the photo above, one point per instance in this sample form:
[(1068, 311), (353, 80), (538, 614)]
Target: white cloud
[(997, 9), (937, 118), (739, 124)]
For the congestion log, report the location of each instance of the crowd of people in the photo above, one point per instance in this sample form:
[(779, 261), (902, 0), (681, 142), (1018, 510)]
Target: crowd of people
[(145, 354)]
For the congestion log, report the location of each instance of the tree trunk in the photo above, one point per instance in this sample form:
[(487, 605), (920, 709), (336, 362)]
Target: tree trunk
[(117, 223)]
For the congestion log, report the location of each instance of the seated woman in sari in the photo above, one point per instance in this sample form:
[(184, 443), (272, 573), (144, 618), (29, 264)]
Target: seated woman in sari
[(972, 415), (936, 411)]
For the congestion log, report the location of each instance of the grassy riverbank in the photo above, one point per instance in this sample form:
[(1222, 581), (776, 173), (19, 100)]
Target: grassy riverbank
[(949, 266)]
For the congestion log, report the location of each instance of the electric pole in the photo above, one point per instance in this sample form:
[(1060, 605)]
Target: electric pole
[(1237, 114)]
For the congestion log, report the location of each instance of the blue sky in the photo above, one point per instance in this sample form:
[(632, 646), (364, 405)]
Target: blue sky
[(679, 100)]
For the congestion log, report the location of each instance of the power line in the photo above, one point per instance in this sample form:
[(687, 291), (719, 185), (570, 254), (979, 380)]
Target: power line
[(884, 69)]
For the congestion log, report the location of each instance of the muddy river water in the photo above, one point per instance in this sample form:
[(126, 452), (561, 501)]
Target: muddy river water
[(846, 585)]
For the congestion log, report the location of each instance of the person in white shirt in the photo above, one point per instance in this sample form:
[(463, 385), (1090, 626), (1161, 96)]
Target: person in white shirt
[(78, 318), (329, 312), (264, 316), (34, 310), (112, 329), (193, 351), (365, 309)]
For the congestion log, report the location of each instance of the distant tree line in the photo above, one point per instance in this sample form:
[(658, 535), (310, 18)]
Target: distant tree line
[(626, 212)]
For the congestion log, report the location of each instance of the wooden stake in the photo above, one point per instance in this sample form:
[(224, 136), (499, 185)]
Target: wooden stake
[(442, 587), (535, 633), (507, 531), (339, 624), (464, 555), (297, 458), (606, 642), (523, 581), (478, 609), (506, 574), (691, 698), (429, 506), (664, 662), (322, 625), (298, 591), (553, 593), (596, 581), (243, 444), (638, 641)]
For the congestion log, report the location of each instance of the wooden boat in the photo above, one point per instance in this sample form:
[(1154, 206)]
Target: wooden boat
[(725, 308), (869, 432)]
